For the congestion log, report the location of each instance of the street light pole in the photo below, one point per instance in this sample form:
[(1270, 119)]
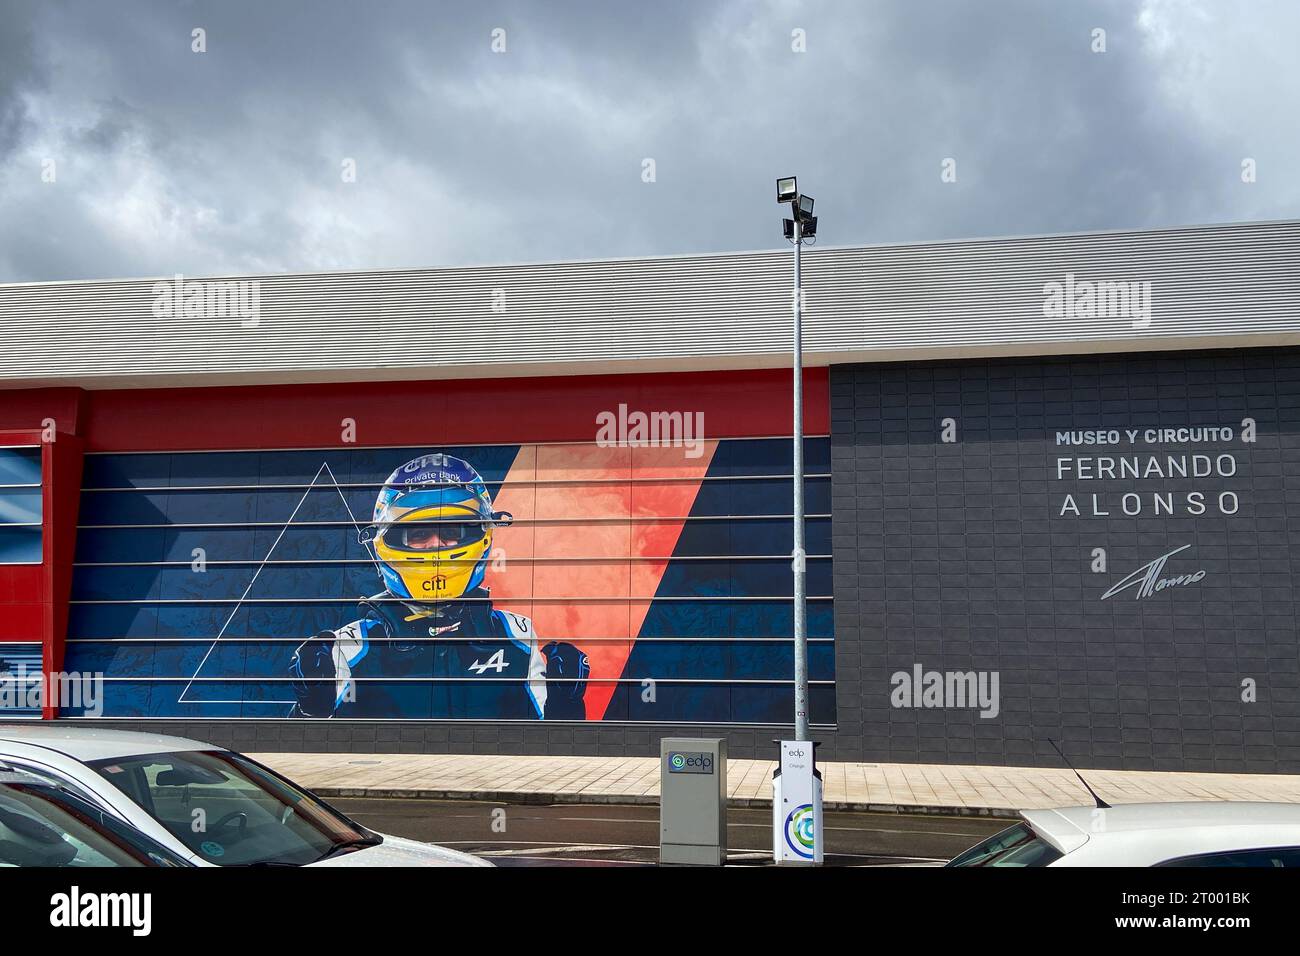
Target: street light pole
[(798, 562), (800, 227), (797, 829)]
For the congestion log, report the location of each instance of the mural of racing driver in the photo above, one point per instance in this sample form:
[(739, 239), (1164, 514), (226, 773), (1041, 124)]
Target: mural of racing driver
[(431, 539)]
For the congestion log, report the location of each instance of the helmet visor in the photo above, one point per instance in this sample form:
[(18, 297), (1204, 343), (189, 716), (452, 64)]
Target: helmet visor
[(433, 535)]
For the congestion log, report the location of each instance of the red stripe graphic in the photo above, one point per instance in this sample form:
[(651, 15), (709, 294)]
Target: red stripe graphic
[(592, 488)]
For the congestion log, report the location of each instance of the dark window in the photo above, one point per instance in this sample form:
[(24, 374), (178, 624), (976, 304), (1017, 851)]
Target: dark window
[(1282, 857), (20, 505), (1015, 846), (46, 827)]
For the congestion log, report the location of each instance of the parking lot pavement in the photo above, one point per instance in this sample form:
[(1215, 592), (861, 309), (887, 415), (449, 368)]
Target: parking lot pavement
[(612, 835)]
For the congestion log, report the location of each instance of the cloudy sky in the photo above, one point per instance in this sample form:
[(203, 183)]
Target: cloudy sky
[(235, 159)]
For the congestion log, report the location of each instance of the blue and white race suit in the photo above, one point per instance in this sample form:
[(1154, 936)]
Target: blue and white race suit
[(471, 661)]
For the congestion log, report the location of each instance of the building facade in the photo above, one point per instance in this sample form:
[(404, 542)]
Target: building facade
[(546, 508)]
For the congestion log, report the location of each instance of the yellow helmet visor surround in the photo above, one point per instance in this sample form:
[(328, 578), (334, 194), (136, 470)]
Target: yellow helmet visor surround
[(437, 552)]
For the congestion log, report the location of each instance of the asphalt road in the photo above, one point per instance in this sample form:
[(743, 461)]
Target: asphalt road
[(604, 835)]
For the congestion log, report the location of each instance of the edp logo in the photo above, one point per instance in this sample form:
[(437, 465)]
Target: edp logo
[(690, 762)]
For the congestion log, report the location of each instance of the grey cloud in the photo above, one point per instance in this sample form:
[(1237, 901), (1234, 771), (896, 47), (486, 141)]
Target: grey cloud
[(20, 71), (229, 161)]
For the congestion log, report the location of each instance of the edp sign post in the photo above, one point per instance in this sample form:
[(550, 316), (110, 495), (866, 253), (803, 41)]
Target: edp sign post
[(797, 805), (693, 800)]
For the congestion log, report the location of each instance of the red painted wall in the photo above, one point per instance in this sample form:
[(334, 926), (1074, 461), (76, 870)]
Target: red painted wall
[(34, 598), (735, 405), (25, 598)]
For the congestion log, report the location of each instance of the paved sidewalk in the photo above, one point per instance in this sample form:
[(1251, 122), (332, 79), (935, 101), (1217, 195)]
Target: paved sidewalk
[(902, 788)]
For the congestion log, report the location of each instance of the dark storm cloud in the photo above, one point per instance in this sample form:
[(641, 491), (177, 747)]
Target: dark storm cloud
[(230, 160), (19, 71)]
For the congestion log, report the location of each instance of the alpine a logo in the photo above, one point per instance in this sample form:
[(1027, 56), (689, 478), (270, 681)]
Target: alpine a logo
[(497, 662), (1147, 580)]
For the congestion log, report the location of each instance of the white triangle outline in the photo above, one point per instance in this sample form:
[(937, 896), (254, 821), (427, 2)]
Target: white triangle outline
[(324, 468)]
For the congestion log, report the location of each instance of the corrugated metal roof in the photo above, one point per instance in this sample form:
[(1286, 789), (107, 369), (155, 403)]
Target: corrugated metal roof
[(1210, 285)]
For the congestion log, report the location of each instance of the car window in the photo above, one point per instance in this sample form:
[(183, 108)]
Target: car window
[(1277, 857), (44, 826), (1015, 846), (231, 811), (39, 774)]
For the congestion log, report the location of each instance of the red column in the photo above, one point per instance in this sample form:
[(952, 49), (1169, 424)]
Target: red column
[(34, 597), (62, 496)]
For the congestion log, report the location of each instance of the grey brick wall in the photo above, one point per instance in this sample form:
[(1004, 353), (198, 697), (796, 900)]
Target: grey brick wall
[(957, 557), (344, 737)]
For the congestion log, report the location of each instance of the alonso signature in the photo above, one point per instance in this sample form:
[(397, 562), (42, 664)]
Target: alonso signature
[(1147, 579)]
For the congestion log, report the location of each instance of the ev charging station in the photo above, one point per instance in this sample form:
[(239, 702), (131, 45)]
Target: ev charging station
[(797, 805), (693, 801)]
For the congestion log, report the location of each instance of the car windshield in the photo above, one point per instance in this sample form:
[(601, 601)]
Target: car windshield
[(231, 811), (43, 826), (1015, 846)]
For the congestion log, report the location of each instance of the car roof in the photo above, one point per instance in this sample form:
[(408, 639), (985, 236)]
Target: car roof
[(1161, 816), (1068, 828), (97, 743)]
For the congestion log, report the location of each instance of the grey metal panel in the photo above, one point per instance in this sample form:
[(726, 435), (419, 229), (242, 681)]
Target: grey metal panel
[(1210, 284)]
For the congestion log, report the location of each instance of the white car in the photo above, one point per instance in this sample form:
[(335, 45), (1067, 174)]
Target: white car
[(1209, 833), (210, 806)]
